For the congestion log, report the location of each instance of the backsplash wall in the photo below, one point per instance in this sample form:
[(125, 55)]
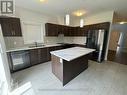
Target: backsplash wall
[(79, 40), (15, 42)]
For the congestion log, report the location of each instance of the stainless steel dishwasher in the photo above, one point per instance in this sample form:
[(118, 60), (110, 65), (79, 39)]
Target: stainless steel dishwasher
[(19, 60)]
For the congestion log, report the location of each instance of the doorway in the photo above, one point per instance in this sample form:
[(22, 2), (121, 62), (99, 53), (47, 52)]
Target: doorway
[(116, 52)]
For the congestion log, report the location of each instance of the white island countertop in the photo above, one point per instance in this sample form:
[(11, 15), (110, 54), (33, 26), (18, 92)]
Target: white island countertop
[(72, 53)]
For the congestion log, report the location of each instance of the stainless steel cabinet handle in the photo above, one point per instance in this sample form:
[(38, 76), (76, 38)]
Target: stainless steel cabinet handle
[(13, 32)]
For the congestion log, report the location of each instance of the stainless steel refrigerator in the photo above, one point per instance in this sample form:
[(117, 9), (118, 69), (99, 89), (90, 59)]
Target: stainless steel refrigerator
[(96, 40)]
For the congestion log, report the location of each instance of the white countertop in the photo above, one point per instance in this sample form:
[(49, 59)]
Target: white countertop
[(72, 53), (28, 48)]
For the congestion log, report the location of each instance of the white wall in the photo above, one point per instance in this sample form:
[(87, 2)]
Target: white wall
[(94, 18), (99, 17), (29, 15)]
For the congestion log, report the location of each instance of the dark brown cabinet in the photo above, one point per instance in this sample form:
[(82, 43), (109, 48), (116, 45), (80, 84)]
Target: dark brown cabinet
[(51, 29), (104, 25), (65, 29), (15, 26), (55, 30), (60, 29), (49, 50), (42, 55), (58, 47), (71, 31), (34, 56), (80, 31), (11, 26), (5, 27), (52, 49), (38, 56)]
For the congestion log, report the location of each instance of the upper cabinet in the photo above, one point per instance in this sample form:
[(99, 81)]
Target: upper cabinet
[(51, 29), (55, 30), (97, 26), (11, 26)]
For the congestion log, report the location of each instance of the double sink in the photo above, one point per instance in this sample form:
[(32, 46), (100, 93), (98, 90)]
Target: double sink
[(37, 46)]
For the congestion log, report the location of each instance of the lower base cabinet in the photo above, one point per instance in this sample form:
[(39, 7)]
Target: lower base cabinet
[(33, 56), (38, 56), (53, 49)]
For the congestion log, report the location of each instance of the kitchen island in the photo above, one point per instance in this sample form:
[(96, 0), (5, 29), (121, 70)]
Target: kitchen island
[(69, 63)]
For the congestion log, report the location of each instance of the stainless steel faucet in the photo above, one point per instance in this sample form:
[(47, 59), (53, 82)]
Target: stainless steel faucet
[(36, 44)]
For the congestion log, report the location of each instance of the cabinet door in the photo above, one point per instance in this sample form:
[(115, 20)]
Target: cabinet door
[(48, 53), (11, 26), (65, 29), (60, 29), (71, 31), (6, 27), (42, 55), (52, 49), (34, 56), (86, 29), (58, 47), (51, 29), (80, 31), (15, 26)]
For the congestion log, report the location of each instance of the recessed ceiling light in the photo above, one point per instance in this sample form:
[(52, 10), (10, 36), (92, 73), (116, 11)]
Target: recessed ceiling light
[(123, 22), (42, 0), (79, 13)]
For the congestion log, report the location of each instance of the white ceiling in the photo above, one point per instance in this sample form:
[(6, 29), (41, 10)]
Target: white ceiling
[(61, 7)]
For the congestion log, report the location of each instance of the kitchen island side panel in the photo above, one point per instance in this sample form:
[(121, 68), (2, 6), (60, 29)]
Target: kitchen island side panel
[(57, 67), (68, 70), (72, 69)]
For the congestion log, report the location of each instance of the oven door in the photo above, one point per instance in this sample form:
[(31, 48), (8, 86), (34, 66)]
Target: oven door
[(20, 60)]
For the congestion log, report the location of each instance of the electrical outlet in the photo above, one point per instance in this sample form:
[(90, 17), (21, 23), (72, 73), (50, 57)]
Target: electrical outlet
[(15, 43)]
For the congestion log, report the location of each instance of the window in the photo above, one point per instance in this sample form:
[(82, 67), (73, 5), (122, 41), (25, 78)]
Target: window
[(33, 32)]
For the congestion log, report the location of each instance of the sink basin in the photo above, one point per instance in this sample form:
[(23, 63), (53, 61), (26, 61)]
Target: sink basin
[(36, 46)]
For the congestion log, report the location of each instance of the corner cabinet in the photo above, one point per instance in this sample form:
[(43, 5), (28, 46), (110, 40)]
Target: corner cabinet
[(69, 31), (11, 26), (55, 29)]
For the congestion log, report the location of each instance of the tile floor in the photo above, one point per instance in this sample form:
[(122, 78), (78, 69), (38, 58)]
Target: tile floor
[(108, 78)]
